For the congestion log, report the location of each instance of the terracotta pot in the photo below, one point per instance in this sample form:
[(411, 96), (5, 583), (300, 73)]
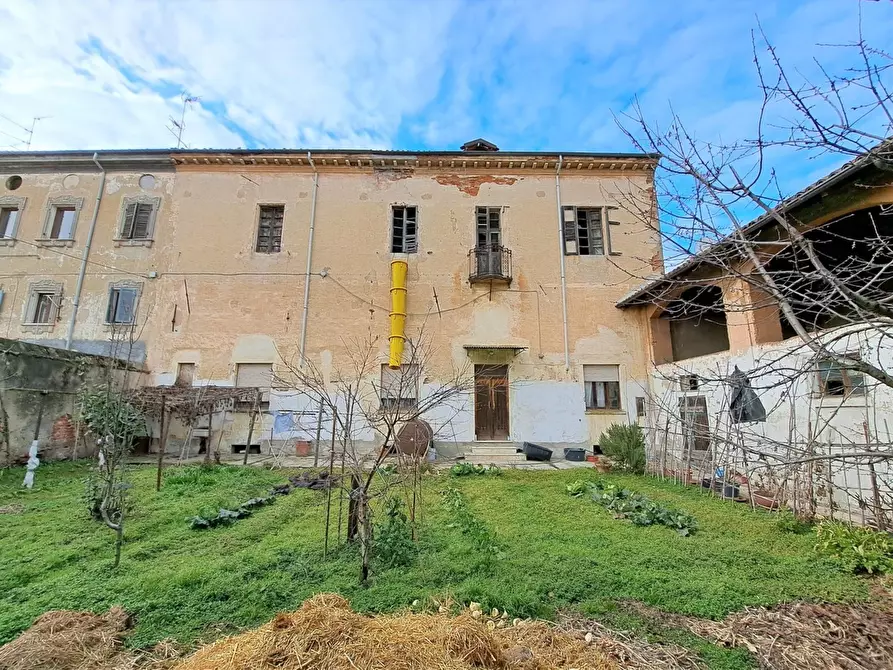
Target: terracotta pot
[(302, 448), (592, 459)]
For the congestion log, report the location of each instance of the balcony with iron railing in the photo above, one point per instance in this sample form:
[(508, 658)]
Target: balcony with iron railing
[(490, 263)]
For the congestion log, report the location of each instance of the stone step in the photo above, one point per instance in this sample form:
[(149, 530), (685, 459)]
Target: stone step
[(493, 450), (495, 459)]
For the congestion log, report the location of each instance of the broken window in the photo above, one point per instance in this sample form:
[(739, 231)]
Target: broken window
[(185, 374), (122, 305), (489, 229), (399, 388), (269, 229), (9, 216), (689, 383), (640, 406), (602, 386), (837, 380), (138, 219), (254, 375), (64, 218), (695, 426), (583, 232), (404, 230)]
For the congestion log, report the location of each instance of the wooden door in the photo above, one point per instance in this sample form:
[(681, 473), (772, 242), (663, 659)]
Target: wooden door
[(491, 402)]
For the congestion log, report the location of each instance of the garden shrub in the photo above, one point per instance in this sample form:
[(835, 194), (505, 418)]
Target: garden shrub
[(465, 469), (393, 538), (854, 548), (624, 444)]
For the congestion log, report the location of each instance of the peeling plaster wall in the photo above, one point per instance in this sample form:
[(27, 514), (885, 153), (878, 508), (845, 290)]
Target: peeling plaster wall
[(216, 303)]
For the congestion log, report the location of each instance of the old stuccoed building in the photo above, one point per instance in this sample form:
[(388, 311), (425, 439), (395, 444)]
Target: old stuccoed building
[(223, 266)]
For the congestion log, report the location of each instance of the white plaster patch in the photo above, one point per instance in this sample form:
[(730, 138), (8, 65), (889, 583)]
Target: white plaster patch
[(547, 412)]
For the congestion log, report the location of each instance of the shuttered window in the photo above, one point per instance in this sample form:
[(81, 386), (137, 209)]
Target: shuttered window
[(122, 305), (269, 229), (602, 386), (404, 230), (137, 221), (583, 231), (399, 388), (250, 375)]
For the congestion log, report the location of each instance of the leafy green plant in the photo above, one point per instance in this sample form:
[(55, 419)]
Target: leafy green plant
[(624, 444), (482, 539), (787, 522), (224, 517), (466, 469), (638, 508), (393, 538), (854, 548)]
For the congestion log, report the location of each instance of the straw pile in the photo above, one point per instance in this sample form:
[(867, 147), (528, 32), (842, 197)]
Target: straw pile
[(807, 637), (64, 640), (325, 634)]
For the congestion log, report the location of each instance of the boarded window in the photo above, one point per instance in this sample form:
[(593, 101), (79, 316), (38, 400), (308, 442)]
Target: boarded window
[(602, 386), (254, 375), (489, 227), (404, 230), (695, 426), (62, 227), (185, 374), (8, 218), (122, 305), (583, 231), (137, 224), (269, 229), (399, 388), (837, 380)]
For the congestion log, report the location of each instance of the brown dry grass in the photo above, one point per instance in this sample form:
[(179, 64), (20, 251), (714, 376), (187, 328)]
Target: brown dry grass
[(325, 634)]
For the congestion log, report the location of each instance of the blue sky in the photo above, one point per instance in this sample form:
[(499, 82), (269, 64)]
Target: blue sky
[(427, 74)]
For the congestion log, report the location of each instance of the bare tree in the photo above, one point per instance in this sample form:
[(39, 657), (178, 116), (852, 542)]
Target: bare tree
[(369, 405), (815, 266)]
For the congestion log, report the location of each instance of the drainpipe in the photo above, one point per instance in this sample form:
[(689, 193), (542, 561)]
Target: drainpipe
[(309, 259), (567, 355), (85, 255)]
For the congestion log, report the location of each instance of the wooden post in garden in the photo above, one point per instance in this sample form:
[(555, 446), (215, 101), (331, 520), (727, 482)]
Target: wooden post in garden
[(162, 442), (208, 439), (251, 426)]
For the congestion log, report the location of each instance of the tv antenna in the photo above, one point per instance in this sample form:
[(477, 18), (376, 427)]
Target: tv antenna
[(28, 131), (177, 128)]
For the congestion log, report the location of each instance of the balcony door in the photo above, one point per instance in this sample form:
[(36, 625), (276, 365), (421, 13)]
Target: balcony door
[(489, 241)]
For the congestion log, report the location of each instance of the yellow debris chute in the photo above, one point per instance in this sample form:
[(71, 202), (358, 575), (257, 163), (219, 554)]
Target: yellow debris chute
[(398, 313)]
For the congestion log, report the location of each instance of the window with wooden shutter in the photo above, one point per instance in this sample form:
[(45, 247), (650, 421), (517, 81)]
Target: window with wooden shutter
[(399, 388), (137, 221), (269, 229), (583, 231), (404, 230), (122, 305), (44, 302), (489, 227)]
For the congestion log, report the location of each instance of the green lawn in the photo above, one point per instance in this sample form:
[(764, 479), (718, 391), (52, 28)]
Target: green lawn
[(559, 551)]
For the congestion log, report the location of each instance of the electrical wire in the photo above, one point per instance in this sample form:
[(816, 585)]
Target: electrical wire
[(78, 258)]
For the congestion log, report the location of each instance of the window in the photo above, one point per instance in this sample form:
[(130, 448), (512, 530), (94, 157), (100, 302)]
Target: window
[(44, 300), (64, 217), (269, 229), (399, 388), (122, 305), (254, 375), (489, 229), (689, 383), (838, 380), (185, 374), (9, 217), (602, 386), (583, 233), (404, 235), (137, 224), (695, 427), (640, 406)]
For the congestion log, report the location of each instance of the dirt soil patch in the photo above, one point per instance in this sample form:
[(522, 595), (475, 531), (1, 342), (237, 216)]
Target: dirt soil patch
[(808, 637), (65, 640)]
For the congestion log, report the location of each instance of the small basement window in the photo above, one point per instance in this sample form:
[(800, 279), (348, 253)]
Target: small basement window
[(404, 230), (269, 229), (837, 380), (602, 386)]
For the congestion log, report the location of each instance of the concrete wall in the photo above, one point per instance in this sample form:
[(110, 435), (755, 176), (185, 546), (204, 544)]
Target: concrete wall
[(39, 383), (216, 303)]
